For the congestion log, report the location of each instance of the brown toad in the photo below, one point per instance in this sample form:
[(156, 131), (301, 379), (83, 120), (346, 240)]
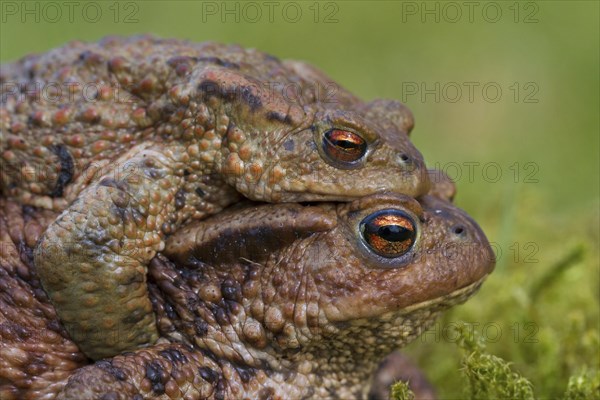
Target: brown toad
[(288, 301), (132, 137)]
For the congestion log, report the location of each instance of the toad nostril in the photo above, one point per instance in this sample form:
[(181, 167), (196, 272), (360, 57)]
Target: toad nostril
[(459, 230)]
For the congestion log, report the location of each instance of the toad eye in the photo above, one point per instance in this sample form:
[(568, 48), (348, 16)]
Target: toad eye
[(389, 233), (344, 146)]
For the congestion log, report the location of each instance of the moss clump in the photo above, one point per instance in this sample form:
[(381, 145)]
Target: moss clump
[(585, 386), (400, 391), (488, 376)]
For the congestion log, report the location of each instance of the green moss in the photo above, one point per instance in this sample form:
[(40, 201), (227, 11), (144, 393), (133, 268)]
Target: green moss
[(585, 386), (488, 376), (400, 391)]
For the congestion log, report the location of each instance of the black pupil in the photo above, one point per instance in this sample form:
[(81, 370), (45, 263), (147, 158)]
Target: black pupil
[(345, 144), (394, 233)]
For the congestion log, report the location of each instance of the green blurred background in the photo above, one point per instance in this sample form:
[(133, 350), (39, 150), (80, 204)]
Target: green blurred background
[(532, 117)]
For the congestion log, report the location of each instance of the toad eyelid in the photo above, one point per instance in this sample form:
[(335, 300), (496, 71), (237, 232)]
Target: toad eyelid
[(350, 125)]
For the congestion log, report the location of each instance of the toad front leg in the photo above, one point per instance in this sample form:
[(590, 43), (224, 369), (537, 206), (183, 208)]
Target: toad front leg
[(92, 259)]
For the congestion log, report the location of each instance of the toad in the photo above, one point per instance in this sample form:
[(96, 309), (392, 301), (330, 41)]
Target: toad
[(133, 137), (288, 301)]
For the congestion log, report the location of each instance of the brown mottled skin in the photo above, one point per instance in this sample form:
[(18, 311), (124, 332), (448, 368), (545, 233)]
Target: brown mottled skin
[(289, 303), (133, 137), (36, 354)]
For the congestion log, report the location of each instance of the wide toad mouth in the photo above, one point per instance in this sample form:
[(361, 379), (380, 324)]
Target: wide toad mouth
[(394, 329), (420, 311), (411, 184), (454, 298)]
